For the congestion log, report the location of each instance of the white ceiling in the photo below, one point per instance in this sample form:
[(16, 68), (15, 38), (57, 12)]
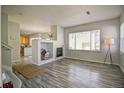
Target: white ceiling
[(36, 18)]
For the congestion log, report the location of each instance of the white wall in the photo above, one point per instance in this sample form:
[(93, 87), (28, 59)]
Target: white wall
[(58, 34), (54, 31), (109, 28), (0, 51), (122, 35), (14, 40)]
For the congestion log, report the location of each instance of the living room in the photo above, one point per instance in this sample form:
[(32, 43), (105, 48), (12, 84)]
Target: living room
[(69, 46)]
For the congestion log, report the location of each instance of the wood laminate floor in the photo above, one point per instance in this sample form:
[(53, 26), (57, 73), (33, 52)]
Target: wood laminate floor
[(68, 73)]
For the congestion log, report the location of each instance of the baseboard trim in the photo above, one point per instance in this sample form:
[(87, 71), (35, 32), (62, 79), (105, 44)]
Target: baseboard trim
[(88, 60), (122, 68)]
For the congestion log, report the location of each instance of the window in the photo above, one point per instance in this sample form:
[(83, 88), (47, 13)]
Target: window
[(122, 39), (89, 40)]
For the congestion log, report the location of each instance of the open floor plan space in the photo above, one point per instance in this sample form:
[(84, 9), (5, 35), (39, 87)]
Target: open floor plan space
[(62, 46), (75, 73)]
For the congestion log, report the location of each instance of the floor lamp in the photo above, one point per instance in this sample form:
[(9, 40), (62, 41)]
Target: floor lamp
[(108, 42)]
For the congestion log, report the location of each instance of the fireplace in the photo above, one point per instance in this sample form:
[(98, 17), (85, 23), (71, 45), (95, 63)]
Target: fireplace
[(46, 51), (45, 54), (59, 52)]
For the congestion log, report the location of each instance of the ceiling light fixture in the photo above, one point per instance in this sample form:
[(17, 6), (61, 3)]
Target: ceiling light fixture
[(88, 12)]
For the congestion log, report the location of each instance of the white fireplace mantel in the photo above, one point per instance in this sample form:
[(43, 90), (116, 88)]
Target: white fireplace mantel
[(51, 45)]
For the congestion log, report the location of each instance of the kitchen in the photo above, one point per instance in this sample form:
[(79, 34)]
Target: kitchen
[(25, 47)]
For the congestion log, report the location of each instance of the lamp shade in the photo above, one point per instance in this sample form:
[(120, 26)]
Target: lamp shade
[(109, 41)]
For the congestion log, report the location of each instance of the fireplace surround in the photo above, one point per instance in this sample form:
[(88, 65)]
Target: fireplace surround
[(46, 51)]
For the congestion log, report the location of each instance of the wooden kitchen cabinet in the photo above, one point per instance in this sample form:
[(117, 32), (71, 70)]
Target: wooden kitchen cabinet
[(24, 40)]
